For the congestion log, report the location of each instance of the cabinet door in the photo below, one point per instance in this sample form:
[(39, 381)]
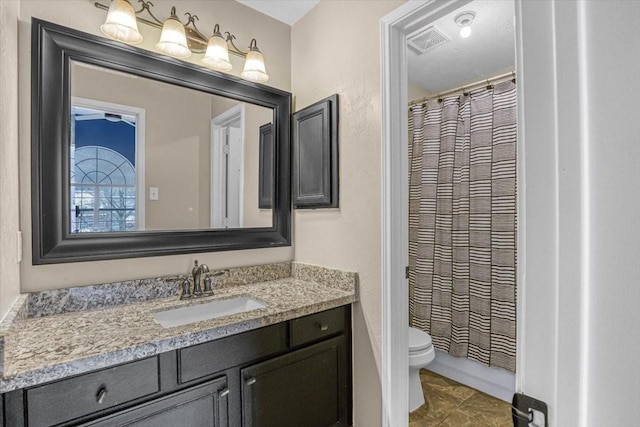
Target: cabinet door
[(205, 405), (308, 387)]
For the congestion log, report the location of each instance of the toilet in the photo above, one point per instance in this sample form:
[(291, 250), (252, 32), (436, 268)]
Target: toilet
[(421, 353)]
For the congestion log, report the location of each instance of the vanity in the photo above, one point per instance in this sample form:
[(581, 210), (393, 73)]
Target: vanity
[(287, 364)]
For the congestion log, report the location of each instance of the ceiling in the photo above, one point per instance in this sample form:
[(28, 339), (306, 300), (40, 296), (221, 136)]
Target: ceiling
[(287, 11), (488, 51)]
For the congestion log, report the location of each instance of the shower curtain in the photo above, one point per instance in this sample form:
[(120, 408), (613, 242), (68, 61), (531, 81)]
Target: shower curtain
[(462, 223)]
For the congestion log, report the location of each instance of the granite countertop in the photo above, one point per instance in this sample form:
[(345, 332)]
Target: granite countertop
[(43, 349)]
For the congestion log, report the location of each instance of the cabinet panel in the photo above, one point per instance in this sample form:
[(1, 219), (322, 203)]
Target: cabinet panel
[(308, 387), (205, 405), (315, 326), (65, 400), (214, 356)]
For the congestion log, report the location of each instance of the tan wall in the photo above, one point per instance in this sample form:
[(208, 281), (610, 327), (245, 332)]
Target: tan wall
[(415, 92), (274, 41), (9, 190), (335, 49)]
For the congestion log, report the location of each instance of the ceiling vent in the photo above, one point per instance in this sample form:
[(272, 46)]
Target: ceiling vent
[(426, 40)]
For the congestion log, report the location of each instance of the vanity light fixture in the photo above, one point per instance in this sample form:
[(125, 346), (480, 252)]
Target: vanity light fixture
[(464, 21), (254, 69), (121, 23), (217, 54), (180, 40), (173, 39)]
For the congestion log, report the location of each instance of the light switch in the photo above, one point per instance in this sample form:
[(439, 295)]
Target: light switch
[(154, 193)]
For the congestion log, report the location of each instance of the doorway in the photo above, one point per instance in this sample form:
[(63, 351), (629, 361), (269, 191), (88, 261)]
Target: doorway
[(227, 169), (396, 27)]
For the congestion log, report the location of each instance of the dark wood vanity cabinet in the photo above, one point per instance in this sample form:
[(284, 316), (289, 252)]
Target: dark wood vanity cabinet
[(294, 373), (202, 405), (308, 388)]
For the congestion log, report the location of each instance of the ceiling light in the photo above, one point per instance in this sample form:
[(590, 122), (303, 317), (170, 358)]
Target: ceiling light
[(464, 21), (121, 23)]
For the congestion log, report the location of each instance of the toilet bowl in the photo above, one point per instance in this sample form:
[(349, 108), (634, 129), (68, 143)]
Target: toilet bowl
[(421, 353)]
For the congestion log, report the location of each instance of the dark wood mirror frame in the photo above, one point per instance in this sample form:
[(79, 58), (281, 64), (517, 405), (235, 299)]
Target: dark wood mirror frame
[(53, 47)]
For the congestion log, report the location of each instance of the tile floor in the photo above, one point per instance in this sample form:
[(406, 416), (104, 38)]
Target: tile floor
[(451, 404)]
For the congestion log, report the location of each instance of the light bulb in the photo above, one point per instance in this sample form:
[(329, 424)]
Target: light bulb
[(465, 32)]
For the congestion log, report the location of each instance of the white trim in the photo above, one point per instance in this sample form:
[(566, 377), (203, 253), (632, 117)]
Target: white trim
[(218, 125), (140, 146), (493, 381)]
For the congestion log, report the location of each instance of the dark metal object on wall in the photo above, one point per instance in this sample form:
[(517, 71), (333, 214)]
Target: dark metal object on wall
[(315, 162)]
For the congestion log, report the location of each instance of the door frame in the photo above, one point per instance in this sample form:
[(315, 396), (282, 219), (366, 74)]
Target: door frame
[(218, 124), (140, 146), (553, 198)]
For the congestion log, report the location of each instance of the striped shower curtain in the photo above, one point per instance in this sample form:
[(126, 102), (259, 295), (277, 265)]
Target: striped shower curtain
[(462, 223)]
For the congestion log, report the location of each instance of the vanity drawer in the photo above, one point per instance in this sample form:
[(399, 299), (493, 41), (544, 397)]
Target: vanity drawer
[(65, 400), (214, 356), (315, 326)]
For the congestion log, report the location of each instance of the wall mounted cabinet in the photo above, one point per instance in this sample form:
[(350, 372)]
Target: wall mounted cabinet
[(315, 155)]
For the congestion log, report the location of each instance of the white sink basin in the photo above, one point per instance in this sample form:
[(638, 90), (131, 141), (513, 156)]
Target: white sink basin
[(205, 311)]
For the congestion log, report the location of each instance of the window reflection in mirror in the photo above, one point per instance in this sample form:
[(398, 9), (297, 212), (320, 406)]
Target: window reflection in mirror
[(148, 155)]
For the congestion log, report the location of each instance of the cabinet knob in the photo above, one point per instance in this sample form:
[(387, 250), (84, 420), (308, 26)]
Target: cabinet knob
[(102, 393), (323, 327)]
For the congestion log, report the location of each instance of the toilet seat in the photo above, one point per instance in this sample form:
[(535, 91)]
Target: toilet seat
[(418, 340)]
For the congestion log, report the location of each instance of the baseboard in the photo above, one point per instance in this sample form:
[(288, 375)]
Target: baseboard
[(493, 381)]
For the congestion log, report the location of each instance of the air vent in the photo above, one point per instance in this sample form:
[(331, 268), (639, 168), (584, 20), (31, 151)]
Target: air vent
[(426, 40)]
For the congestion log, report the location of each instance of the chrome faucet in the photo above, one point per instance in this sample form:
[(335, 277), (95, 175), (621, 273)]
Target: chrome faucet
[(201, 277)]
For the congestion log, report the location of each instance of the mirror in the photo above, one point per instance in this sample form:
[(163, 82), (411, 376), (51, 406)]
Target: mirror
[(143, 155), (148, 155)]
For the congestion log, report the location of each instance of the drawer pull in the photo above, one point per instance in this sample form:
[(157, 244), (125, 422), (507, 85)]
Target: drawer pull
[(102, 393), (251, 381), (323, 327)]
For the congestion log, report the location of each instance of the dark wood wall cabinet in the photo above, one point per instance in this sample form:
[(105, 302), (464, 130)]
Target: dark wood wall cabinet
[(315, 155), (266, 167), (295, 373)]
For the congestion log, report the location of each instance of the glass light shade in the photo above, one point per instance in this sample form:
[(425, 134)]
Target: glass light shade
[(121, 23), (254, 69), (173, 40), (217, 54)]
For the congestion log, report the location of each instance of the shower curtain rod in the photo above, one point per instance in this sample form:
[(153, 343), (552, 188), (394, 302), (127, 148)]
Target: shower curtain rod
[(468, 87)]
